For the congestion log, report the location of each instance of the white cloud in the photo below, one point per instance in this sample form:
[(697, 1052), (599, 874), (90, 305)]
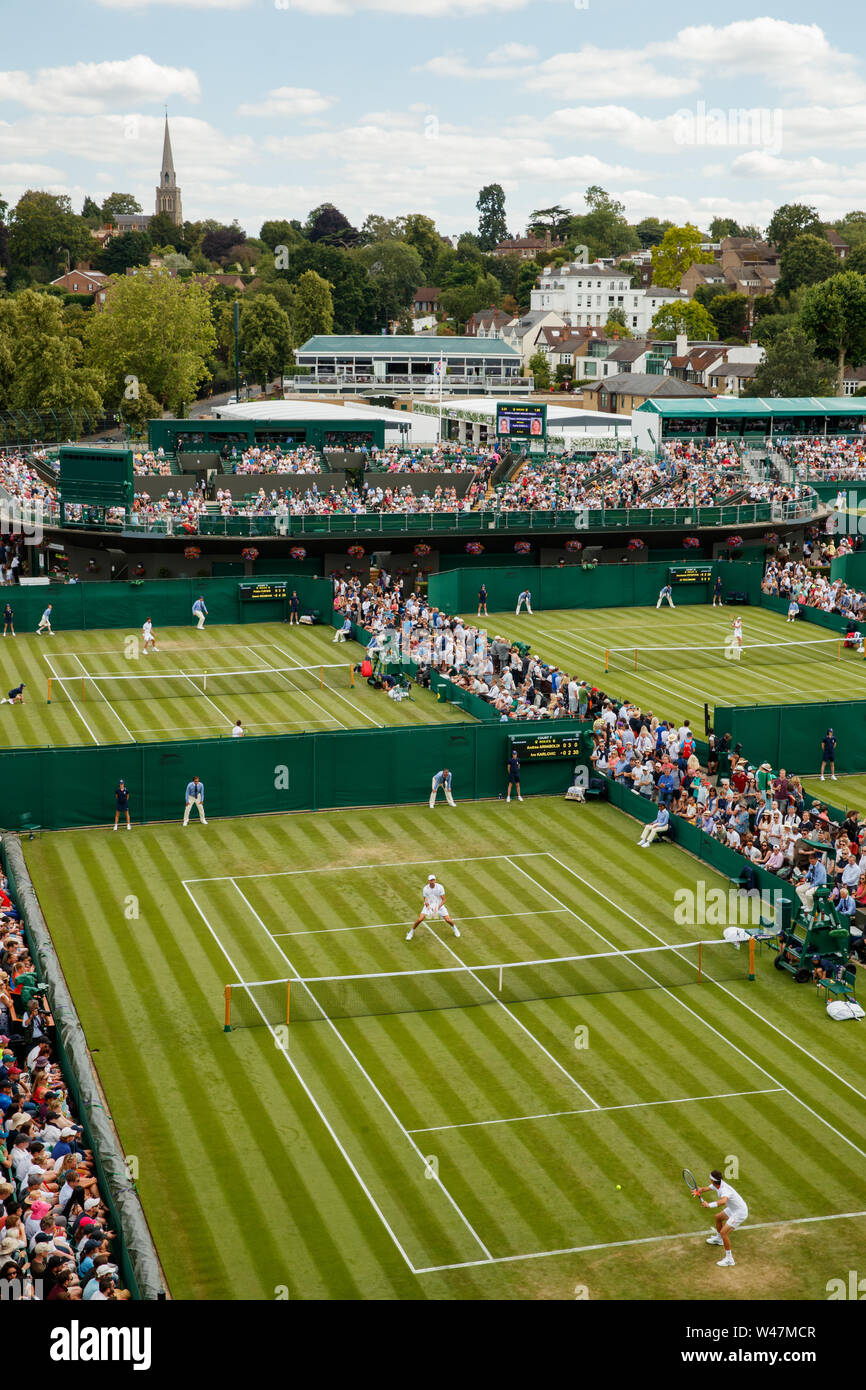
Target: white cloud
[(88, 88), (431, 9), (794, 57), (37, 175), (512, 53), (180, 4), (600, 73), (289, 101)]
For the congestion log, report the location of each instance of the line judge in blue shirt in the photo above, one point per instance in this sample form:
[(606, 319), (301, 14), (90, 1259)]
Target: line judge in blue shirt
[(194, 797)]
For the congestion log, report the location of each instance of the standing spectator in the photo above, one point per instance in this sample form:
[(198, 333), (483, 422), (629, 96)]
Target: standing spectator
[(828, 754), (442, 779), (199, 611), (8, 620), (45, 623), (513, 770), (121, 797), (194, 797), (482, 600)]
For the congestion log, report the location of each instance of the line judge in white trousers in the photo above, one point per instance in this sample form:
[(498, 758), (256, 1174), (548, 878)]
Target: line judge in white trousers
[(443, 780), (523, 598), (194, 797)]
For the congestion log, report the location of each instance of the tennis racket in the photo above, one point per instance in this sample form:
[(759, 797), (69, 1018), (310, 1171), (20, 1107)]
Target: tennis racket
[(690, 1180)]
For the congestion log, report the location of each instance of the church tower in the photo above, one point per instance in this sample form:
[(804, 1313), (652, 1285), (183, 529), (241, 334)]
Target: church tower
[(168, 193)]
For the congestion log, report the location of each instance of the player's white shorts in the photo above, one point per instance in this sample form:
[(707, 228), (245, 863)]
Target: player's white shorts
[(737, 1220), (429, 911)]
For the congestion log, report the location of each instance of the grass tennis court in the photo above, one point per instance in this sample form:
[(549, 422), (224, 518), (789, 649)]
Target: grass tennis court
[(275, 678), (462, 1152), (690, 665)]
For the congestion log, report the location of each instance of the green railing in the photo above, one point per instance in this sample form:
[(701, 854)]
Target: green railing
[(468, 523)]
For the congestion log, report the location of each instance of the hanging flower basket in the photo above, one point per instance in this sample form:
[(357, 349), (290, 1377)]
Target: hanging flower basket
[(771, 538), (474, 548), (522, 547), (298, 552), (636, 543), (189, 527), (422, 549), (574, 545), (734, 542), (191, 552), (691, 542), (356, 551), (249, 553)]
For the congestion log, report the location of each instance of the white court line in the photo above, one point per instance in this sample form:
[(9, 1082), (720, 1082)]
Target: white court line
[(200, 693), (545, 854), (792, 1041), (293, 689), (351, 868), (522, 1026), (60, 680), (312, 1099), (370, 1082), (376, 926), (357, 708), (252, 724), (85, 672), (599, 1110), (643, 1240)]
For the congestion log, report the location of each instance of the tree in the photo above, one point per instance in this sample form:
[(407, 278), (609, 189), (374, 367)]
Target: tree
[(853, 228), (312, 307), (119, 204), (326, 223), (42, 229), (406, 323), (721, 227), (616, 326), (680, 248), (540, 369), (153, 331), (219, 243), (266, 338), (806, 260), (650, 231), (791, 367), (730, 314), (553, 219), (834, 314), (857, 258), (603, 228), (394, 268), (41, 361), (790, 221), (683, 316), (460, 302), (526, 281), (354, 296), (378, 228), (492, 227), (420, 232), (128, 249), (91, 212), (279, 232), (164, 231)]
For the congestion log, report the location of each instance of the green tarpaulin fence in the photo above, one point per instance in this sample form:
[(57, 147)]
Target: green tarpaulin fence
[(606, 586)]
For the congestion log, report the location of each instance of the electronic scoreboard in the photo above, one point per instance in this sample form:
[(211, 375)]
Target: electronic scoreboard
[(690, 574), (536, 748), (253, 592)]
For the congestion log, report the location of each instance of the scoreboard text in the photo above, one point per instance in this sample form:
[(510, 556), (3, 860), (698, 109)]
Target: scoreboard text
[(690, 574), (252, 592), (544, 747)]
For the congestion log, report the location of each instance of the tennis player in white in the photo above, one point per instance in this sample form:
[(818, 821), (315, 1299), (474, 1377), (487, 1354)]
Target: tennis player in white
[(738, 631), (434, 906), (731, 1214), (147, 637)]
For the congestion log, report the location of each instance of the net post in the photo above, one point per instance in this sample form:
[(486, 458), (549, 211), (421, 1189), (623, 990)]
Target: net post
[(751, 958), (321, 677), (352, 676), (700, 960), (49, 690), (500, 979), (288, 1001), (607, 661), (635, 658), (83, 696), (227, 1026)]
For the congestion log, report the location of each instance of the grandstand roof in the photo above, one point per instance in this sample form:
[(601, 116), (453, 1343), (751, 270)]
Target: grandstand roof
[(756, 406)]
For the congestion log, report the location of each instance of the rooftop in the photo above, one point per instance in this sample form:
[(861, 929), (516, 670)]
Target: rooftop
[(406, 345)]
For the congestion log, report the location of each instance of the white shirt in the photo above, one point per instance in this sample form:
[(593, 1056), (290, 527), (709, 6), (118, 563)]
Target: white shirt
[(434, 894), (237, 731), (147, 629), (735, 1206)]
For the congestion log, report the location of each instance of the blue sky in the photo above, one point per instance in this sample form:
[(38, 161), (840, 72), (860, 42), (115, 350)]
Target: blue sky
[(388, 107)]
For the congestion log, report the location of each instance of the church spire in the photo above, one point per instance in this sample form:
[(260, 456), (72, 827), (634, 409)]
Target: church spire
[(167, 192)]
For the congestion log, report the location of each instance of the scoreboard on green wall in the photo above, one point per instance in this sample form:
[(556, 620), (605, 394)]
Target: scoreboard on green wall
[(537, 748), (690, 574), (253, 593), (521, 422)]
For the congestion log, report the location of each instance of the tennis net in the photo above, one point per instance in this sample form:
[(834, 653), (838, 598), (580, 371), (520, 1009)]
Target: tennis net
[(153, 685), (315, 998), (750, 654)]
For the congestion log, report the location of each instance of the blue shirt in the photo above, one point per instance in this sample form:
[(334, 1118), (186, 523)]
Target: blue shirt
[(662, 818), (194, 789), (441, 780), (817, 874), (198, 606)]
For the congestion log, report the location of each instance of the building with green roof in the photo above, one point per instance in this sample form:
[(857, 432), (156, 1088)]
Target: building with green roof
[(359, 362), (759, 419)]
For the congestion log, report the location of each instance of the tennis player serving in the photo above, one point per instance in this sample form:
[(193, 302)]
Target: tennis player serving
[(732, 1212)]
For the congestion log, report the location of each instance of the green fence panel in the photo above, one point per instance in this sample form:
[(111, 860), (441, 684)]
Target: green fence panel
[(790, 736)]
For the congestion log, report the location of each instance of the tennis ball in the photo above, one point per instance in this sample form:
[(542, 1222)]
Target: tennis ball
[(619, 1187)]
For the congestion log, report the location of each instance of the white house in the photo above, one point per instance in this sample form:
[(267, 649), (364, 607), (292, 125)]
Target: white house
[(584, 296)]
